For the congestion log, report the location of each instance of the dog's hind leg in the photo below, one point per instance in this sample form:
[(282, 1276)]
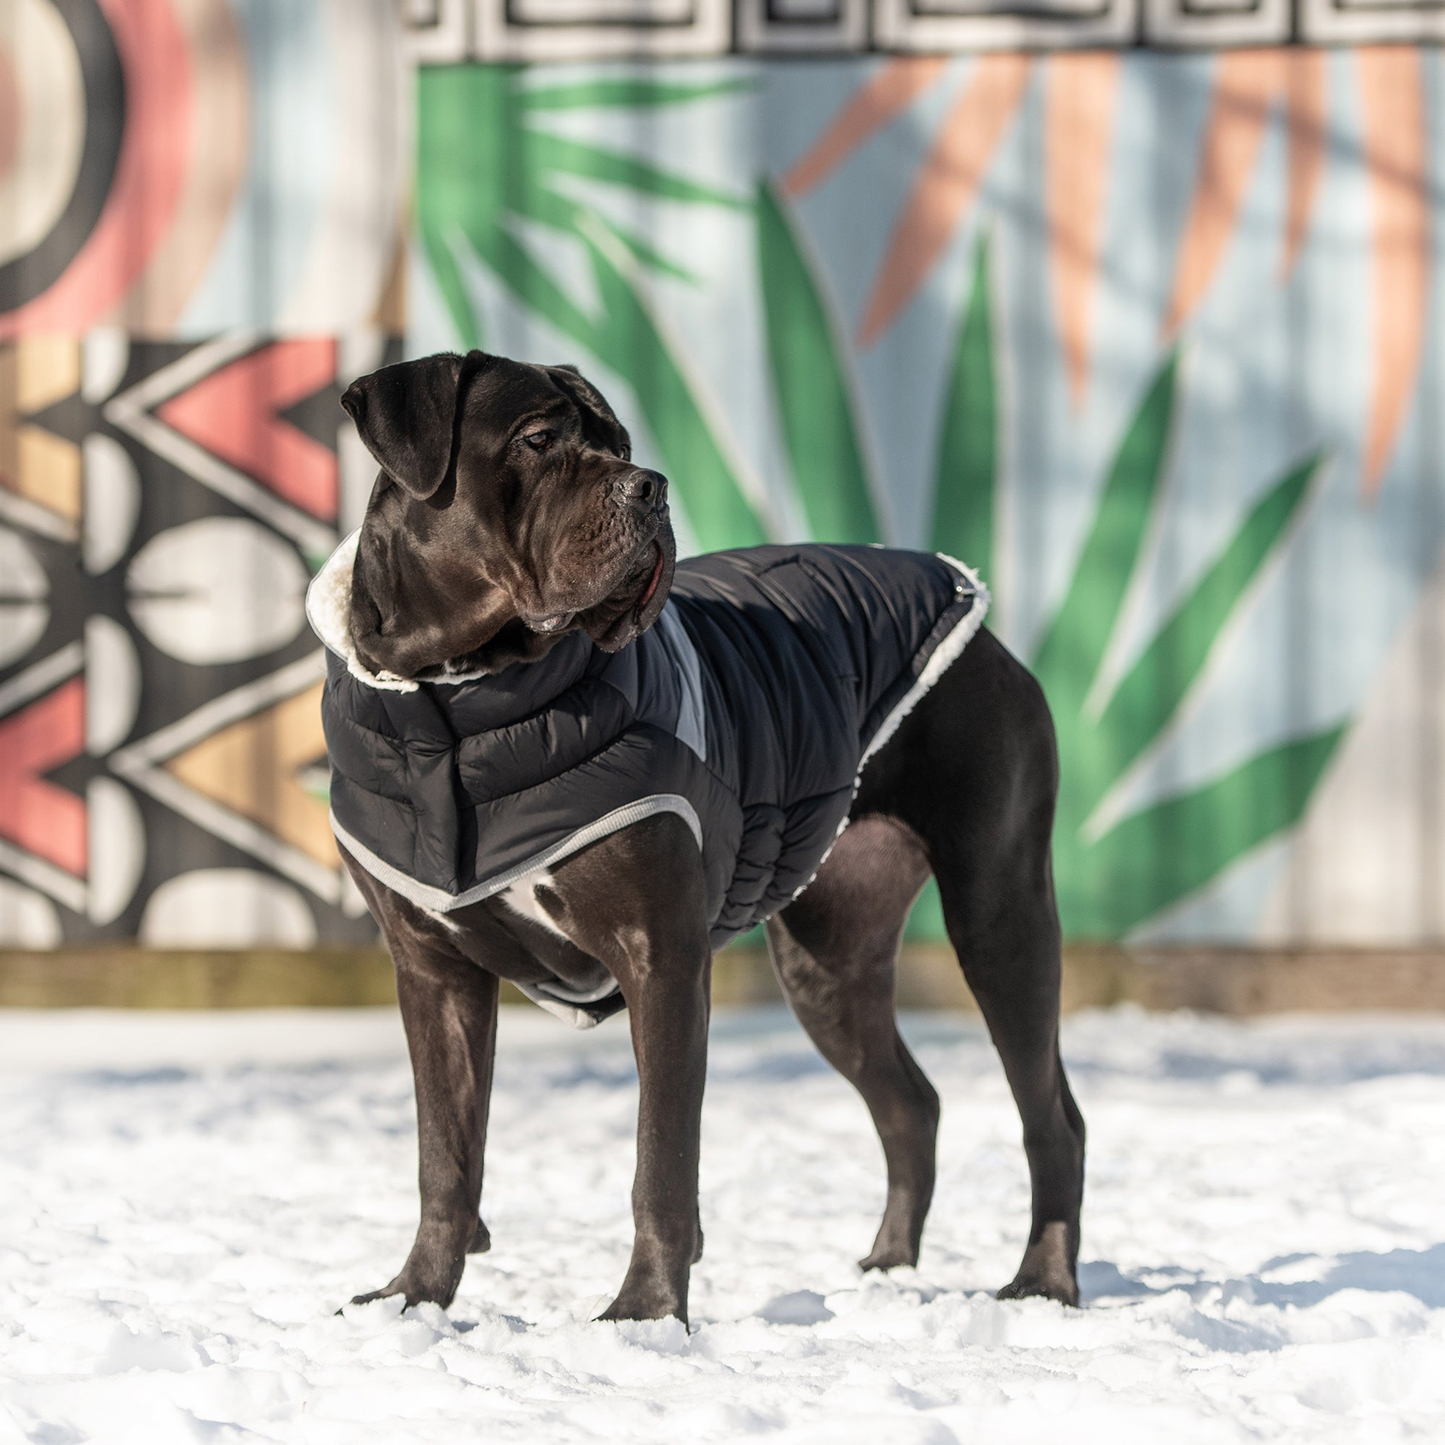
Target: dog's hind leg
[(974, 772), (834, 951), (1011, 962)]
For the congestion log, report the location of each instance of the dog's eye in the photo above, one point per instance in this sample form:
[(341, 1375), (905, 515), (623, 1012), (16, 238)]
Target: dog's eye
[(539, 441)]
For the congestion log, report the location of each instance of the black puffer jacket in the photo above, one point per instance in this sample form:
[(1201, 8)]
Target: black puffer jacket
[(748, 709)]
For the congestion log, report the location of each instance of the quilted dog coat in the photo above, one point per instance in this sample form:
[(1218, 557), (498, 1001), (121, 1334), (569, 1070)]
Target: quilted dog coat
[(749, 709)]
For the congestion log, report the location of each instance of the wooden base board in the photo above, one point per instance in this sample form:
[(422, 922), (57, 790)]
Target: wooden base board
[(1212, 980)]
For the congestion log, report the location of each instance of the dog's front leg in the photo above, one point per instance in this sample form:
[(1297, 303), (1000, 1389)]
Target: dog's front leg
[(636, 901), (449, 1009), (667, 1000)]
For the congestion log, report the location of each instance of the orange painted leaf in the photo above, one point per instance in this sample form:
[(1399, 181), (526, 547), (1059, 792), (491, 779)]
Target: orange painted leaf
[(1246, 82), (891, 89), (1080, 94), (947, 182), (1305, 117), (1392, 104)]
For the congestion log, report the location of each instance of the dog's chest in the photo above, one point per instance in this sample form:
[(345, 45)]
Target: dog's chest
[(576, 981), (521, 897)]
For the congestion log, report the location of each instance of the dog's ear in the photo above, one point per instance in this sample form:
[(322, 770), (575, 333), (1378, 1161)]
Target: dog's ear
[(406, 415), (599, 421)]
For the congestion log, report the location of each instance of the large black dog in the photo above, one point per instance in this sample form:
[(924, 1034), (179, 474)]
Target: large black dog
[(508, 525)]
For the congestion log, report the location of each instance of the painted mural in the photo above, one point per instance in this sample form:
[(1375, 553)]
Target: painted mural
[(202, 225), (1147, 338), (1151, 339)]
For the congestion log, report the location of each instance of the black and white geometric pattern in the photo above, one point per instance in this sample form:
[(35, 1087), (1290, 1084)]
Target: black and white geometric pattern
[(449, 31)]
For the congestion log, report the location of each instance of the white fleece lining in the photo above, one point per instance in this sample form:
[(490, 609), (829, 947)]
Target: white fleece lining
[(328, 610), (944, 656)]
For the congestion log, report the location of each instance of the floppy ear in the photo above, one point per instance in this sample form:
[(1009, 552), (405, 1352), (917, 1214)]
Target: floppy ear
[(599, 420), (406, 416)]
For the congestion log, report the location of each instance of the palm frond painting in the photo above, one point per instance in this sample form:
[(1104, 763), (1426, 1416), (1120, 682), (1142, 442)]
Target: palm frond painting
[(825, 309), (1114, 873), (509, 167)]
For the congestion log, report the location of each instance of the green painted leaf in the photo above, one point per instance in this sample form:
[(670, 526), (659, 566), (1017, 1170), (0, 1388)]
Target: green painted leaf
[(965, 474), (448, 277), (1159, 856), (654, 260), (546, 152), (1154, 687), (629, 342), (630, 92), (809, 384), (1073, 647), (480, 166), (925, 922)]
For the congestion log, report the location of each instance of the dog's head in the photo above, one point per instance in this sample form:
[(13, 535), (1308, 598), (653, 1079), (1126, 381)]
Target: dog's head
[(508, 513)]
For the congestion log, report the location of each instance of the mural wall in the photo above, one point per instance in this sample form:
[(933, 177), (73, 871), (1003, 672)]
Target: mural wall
[(1147, 338), (202, 224), (1152, 339)]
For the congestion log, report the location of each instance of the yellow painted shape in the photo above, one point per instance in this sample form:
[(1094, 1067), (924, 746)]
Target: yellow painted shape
[(48, 471), (40, 466), (47, 370), (252, 767)]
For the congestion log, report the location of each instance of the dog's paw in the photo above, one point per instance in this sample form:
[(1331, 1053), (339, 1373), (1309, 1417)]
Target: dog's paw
[(888, 1258), (644, 1307), (372, 1295), (436, 1287), (896, 1244), (649, 1294), (1065, 1291), (1047, 1270), (412, 1297)]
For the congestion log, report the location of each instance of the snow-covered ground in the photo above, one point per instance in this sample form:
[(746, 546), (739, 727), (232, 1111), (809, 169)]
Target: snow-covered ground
[(185, 1199)]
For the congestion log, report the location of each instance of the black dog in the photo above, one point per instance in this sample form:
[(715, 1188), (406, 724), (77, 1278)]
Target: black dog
[(509, 534)]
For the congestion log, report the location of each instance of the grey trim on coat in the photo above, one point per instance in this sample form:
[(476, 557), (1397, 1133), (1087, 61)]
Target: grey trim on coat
[(438, 899)]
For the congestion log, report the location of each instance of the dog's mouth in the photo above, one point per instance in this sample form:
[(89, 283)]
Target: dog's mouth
[(635, 605), (632, 604), (652, 582)]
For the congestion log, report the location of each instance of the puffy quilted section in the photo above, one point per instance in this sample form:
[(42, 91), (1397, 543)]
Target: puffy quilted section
[(800, 655)]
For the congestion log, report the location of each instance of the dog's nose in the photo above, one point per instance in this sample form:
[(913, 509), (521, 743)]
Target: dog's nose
[(644, 488)]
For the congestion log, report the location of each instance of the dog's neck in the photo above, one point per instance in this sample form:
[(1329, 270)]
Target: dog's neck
[(393, 622), (408, 620)]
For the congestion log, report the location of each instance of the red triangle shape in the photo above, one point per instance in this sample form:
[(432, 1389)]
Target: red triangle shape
[(233, 414), (47, 820)]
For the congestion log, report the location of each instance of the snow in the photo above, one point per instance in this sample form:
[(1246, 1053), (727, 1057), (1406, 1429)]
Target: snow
[(187, 1198)]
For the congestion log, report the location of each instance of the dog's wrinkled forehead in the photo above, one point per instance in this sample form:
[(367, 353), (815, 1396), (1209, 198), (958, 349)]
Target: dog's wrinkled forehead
[(507, 397), (415, 415)]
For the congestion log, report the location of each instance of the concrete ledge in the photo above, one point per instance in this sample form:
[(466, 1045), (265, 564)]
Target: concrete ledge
[(1212, 980), (1239, 982)]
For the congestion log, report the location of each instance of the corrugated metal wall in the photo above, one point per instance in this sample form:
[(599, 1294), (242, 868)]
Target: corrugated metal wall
[(1152, 338)]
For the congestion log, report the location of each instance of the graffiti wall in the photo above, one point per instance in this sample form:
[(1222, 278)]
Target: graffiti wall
[(1147, 338), (1152, 339), (202, 226)]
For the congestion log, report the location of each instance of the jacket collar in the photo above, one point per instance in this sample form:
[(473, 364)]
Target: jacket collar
[(521, 688), (328, 610)]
